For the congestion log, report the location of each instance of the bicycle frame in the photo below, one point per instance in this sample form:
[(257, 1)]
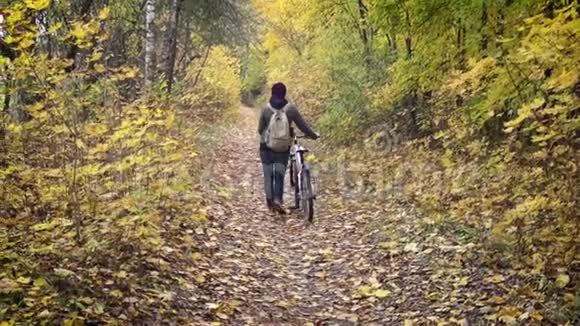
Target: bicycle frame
[(297, 152), (302, 180)]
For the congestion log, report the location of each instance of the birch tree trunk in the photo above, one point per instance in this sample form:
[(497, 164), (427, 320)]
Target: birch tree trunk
[(149, 42)]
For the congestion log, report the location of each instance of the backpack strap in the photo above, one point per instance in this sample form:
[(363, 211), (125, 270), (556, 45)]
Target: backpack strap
[(283, 109)]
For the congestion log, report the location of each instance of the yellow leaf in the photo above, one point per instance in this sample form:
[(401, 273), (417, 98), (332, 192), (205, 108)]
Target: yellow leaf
[(100, 68), (565, 80), (131, 73), (310, 158), (37, 4), (497, 278), (117, 294), (562, 280), (195, 256), (78, 31), (365, 290), (388, 245), (25, 43), (54, 28), (23, 280), (508, 315), (200, 278), (537, 315), (39, 282), (96, 129), (496, 300), (381, 293), (86, 300), (174, 157), (45, 226), (408, 322), (326, 251), (95, 56), (569, 297), (99, 309), (463, 281), (104, 13)]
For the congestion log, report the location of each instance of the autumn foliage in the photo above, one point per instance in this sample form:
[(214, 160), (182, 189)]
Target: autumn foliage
[(467, 110), (454, 123), (96, 178)]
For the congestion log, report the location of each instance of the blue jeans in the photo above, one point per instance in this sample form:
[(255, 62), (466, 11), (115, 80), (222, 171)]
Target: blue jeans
[(274, 182), (274, 168)]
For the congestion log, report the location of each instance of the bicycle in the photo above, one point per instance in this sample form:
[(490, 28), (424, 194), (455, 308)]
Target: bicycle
[(301, 180)]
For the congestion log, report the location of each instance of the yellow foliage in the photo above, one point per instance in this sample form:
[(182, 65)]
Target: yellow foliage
[(37, 4), (218, 82), (90, 171)]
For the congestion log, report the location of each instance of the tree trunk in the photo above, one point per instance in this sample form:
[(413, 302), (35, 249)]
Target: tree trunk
[(171, 43), (7, 51), (408, 37), (364, 32), (393, 40), (482, 31), (149, 42), (198, 74), (181, 63), (461, 31), (409, 46)]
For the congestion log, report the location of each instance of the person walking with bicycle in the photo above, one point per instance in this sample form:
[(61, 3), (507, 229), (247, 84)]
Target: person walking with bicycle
[(276, 135)]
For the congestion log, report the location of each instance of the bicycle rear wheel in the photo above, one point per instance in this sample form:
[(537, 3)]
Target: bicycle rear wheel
[(306, 196)]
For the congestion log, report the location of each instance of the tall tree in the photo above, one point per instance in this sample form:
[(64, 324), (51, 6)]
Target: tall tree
[(149, 42), (365, 31), (171, 43)]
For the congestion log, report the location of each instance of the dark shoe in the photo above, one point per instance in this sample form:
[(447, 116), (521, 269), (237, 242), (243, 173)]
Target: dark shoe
[(270, 205), (277, 205)]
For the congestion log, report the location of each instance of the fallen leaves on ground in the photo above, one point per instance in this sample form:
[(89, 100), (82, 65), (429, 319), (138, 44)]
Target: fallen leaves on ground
[(362, 262)]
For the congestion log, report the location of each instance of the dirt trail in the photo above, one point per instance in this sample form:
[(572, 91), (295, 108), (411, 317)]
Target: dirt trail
[(269, 271)]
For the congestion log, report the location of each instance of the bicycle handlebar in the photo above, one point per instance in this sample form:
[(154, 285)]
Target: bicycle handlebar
[(304, 136)]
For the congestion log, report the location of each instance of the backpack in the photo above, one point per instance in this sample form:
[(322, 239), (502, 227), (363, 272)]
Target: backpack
[(277, 135)]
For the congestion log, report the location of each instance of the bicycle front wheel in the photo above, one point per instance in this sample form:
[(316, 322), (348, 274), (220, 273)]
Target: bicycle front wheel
[(307, 196), (292, 174), (295, 185)]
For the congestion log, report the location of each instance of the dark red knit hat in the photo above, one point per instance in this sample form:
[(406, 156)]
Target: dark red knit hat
[(279, 90)]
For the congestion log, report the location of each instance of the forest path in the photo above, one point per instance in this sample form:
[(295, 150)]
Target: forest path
[(266, 270)]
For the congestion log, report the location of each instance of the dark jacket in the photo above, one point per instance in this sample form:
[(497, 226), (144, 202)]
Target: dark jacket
[(268, 156), (294, 117)]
